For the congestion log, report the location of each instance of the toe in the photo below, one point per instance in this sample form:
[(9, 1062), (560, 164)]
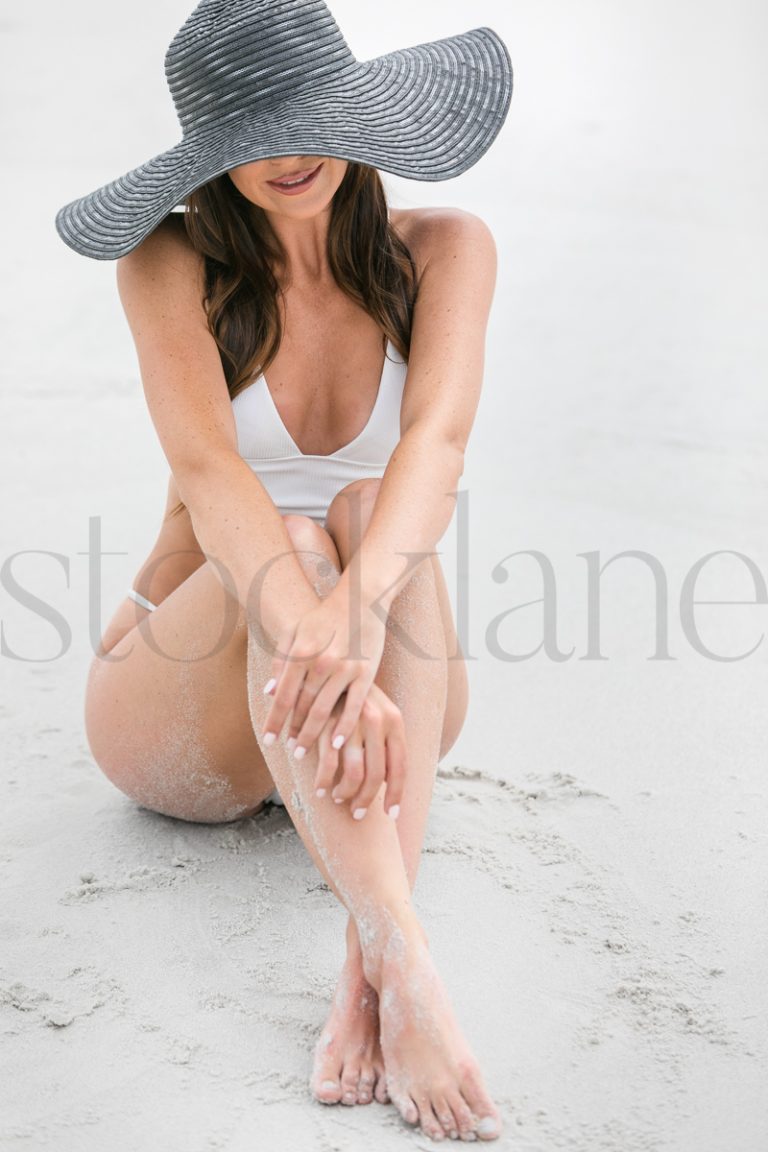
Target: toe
[(365, 1086), (430, 1125), (350, 1078), (446, 1118), (325, 1083), (488, 1127), (487, 1123), (327, 1090), (380, 1091), (406, 1108), (463, 1114)]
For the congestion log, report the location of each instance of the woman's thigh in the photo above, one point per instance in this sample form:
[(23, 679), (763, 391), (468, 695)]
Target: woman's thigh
[(166, 709)]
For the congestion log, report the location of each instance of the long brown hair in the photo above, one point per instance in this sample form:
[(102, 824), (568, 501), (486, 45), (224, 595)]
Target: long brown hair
[(242, 254)]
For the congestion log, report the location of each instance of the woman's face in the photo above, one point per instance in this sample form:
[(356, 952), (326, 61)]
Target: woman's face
[(295, 186)]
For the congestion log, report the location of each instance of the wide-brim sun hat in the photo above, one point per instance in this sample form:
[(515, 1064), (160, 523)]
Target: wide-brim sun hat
[(252, 79)]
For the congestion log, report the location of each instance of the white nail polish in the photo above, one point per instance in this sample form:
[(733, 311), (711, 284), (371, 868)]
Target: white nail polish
[(299, 753), (487, 1126), (290, 743), (394, 811), (338, 742), (320, 793), (359, 813), (338, 799), (269, 739), (270, 684)]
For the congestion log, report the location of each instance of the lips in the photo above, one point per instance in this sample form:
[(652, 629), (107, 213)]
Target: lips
[(295, 181)]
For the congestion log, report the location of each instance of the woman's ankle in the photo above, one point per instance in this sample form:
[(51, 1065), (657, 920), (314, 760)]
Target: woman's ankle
[(386, 936), (355, 960)]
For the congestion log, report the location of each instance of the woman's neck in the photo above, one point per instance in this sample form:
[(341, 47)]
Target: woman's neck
[(305, 245)]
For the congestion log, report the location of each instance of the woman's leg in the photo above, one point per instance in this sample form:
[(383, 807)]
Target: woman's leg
[(431, 1074), (432, 696)]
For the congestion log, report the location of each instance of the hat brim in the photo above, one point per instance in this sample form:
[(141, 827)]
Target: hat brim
[(424, 113)]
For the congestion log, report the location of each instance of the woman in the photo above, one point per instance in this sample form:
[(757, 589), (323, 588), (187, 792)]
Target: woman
[(294, 629)]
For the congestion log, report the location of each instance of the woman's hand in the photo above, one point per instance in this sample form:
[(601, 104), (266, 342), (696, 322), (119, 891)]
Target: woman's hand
[(375, 752), (318, 659)]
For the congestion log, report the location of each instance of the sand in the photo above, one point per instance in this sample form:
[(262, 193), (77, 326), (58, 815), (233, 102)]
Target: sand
[(594, 877)]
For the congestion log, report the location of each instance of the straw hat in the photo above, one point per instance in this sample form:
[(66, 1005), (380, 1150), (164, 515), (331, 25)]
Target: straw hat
[(252, 79)]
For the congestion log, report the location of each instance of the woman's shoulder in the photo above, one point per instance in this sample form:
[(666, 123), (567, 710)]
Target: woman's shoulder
[(431, 231), (164, 266), (167, 247)]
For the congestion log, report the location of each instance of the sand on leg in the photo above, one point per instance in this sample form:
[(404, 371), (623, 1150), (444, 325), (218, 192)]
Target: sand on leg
[(347, 1058), (433, 1078)]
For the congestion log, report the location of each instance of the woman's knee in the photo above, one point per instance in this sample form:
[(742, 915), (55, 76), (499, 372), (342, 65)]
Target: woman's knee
[(350, 511), (308, 537), (315, 551)]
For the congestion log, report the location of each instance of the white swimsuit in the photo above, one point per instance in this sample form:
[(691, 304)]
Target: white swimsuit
[(303, 483)]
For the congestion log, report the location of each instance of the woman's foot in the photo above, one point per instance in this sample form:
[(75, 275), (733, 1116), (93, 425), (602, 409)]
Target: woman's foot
[(348, 1067), (432, 1076)]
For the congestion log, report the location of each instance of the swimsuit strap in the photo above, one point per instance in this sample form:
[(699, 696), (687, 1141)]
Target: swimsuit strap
[(137, 596)]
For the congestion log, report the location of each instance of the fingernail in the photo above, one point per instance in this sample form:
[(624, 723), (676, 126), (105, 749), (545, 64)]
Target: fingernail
[(299, 753), (338, 742), (269, 739), (320, 793), (394, 811), (290, 743), (270, 684), (359, 813)]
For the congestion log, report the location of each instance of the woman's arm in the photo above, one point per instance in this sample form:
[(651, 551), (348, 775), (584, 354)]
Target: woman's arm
[(233, 517), (416, 499)]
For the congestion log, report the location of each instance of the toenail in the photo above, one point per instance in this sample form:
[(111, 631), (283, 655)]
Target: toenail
[(359, 813), (269, 739), (299, 753), (329, 1085), (290, 743), (453, 1134), (488, 1126)]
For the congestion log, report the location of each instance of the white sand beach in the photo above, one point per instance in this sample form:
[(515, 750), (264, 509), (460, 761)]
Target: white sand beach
[(595, 878)]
